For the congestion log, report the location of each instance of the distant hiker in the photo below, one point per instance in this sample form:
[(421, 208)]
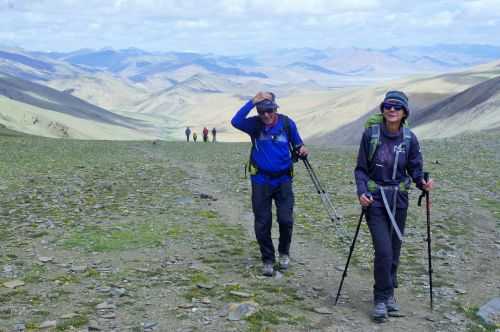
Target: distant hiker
[(205, 134), (195, 136), (188, 133), (271, 170), (388, 159), (214, 132)]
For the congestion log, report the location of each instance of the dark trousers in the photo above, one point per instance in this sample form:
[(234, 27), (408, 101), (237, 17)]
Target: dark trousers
[(387, 250), (262, 197)]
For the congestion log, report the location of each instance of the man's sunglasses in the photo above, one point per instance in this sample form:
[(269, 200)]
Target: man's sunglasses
[(265, 110), (388, 106)]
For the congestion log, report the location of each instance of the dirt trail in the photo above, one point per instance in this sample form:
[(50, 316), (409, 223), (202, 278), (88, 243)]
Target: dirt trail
[(317, 273)]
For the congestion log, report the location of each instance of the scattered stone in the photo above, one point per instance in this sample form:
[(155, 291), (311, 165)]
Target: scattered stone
[(109, 315), (149, 325), (207, 196), (19, 327), (94, 326), (460, 291), (205, 300), (44, 259), (14, 283), (317, 288), (48, 324), (118, 291), (490, 312), (205, 286), (78, 268), (238, 311), (240, 294), (185, 306), (69, 316), (323, 311), (103, 289), (105, 306)]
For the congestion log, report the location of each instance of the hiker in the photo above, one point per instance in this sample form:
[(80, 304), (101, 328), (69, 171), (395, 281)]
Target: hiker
[(205, 134), (188, 133), (195, 136), (389, 158), (214, 132), (271, 169)]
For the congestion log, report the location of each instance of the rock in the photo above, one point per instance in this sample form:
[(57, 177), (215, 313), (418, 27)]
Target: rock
[(105, 306), (48, 324), (78, 268), (44, 259), (69, 316), (317, 288), (238, 311), (94, 326), (490, 312), (240, 294), (185, 306), (14, 283), (323, 311), (118, 291), (149, 325), (19, 327), (205, 286), (205, 300), (109, 315)]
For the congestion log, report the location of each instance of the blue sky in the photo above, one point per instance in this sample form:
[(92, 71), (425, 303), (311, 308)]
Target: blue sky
[(244, 26)]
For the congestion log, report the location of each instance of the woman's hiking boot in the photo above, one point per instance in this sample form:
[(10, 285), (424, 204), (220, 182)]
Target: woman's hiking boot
[(393, 309)]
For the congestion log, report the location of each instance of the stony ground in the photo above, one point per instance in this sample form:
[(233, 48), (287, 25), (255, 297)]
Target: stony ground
[(116, 236)]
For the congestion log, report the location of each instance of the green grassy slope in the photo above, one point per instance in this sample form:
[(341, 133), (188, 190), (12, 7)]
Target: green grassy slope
[(132, 215)]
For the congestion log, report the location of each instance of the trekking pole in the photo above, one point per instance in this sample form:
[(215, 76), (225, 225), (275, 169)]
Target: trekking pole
[(428, 213), (350, 254), (325, 199)]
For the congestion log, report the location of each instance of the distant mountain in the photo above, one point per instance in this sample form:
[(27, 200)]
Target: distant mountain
[(314, 68), (441, 106), (34, 108), (476, 108)]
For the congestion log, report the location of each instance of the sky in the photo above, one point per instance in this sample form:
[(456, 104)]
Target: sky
[(234, 27)]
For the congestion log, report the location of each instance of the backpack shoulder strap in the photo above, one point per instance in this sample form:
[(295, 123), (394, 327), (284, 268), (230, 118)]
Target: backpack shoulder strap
[(374, 140), (407, 138)]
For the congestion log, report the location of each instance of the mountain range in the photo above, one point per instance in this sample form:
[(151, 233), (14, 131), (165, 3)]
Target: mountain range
[(135, 94)]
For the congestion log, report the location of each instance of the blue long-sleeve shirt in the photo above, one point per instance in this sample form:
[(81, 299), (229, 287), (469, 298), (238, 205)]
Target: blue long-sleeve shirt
[(380, 168), (270, 152)]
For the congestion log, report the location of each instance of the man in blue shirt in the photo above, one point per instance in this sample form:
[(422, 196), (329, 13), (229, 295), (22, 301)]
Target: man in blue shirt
[(271, 166)]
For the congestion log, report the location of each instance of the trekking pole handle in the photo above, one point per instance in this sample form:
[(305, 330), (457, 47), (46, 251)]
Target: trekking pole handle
[(427, 176)]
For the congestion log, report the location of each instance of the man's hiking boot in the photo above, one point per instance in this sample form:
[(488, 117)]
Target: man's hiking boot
[(393, 309), (267, 269), (379, 313), (284, 261)]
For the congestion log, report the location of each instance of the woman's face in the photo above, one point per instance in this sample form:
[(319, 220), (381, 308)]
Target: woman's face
[(393, 114)]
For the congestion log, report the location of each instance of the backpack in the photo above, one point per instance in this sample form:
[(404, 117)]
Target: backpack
[(251, 167), (373, 123)]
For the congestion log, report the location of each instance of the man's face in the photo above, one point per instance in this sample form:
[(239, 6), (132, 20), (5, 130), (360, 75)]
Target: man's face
[(267, 116)]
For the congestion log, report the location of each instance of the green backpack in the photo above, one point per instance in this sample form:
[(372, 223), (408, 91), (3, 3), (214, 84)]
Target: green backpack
[(374, 122)]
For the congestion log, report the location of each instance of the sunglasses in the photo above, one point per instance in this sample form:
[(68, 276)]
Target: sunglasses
[(388, 106), (265, 110)]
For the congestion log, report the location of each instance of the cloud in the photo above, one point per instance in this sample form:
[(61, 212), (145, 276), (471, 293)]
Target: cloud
[(248, 24)]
